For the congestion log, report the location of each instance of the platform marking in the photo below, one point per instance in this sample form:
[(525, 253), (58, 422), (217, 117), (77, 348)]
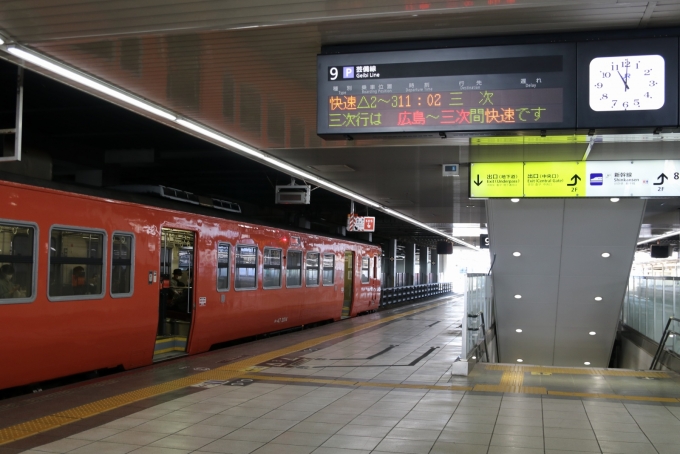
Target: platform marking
[(330, 381), (578, 371), (477, 388), (45, 423)]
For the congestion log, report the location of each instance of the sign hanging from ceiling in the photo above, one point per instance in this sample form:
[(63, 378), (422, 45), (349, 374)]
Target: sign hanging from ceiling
[(483, 90), (356, 223), (659, 178), (519, 87)]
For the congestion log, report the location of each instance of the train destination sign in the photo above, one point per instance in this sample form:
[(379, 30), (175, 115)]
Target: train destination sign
[(657, 178), (447, 90)]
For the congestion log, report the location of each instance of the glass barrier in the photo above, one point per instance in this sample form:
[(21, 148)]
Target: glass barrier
[(478, 300), (649, 302)]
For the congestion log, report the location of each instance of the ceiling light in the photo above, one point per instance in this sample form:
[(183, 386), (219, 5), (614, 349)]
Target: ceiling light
[(598, 298), (592, 333), (614, 199), (90, 82), (2, 41), (518, 330), (518, 297), (474, 357), (514, 200), (516, 254), (520, 360), (606, 254), (129, 99), (587, 363)]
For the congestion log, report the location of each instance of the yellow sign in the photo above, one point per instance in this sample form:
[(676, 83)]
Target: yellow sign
[(555, 179), (496, 179)]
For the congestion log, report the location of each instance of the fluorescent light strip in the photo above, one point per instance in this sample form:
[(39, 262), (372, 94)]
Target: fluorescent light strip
[(660, 237), (88, 82), (220, 138), (101, 87), (427, 227)]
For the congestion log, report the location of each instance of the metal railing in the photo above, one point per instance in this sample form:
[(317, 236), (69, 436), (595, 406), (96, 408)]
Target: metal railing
[(650, 303), (667, 333), (478, 306), (413, 292)]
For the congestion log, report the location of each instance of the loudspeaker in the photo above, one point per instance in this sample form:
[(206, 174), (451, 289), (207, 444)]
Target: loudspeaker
[(659, 251), (444, 248)]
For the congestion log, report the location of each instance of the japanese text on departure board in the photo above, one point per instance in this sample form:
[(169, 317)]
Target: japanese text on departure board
[(483, 107)]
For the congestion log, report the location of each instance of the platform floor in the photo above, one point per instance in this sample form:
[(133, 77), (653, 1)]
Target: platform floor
[(378, 383)]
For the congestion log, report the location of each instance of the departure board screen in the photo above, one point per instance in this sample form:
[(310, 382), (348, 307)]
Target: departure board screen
[(447, 90)]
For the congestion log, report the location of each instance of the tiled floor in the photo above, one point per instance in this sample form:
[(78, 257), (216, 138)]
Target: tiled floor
[(383, 414), (300, 419)]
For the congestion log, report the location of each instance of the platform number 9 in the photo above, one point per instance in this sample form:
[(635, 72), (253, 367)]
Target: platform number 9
[(333, 73)]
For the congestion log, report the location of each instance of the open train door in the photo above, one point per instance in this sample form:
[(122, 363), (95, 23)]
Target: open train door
[(348, 291), (176, 299)]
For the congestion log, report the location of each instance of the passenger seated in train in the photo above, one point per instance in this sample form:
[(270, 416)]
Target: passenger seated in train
[(78, 281), (7, 288), (176, 276)]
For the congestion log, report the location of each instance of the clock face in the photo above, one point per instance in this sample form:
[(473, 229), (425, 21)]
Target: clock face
[(635, 82)]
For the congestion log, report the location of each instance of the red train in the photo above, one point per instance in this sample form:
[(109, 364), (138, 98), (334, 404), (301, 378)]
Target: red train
[(89, 283)]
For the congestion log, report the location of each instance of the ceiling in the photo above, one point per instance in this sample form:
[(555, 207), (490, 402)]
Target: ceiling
[(248, 69)]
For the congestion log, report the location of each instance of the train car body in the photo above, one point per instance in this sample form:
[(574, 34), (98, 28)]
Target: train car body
[(86, 282)]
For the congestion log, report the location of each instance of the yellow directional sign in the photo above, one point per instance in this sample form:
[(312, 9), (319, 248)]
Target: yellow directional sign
[(496, 179), (555, 179)]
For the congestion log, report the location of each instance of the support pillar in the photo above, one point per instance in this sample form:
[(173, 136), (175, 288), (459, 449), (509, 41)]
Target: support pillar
[(391, 271), (434, 266), (424, 264), (410, 263)]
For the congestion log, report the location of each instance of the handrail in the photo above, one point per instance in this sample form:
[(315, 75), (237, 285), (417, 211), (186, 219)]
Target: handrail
[(662, 343), (483, 329)]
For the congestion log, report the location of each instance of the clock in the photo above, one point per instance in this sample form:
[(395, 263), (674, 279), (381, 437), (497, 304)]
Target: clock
[(622, 83)]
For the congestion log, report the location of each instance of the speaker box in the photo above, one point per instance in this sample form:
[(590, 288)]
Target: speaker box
[(659, 251), (444, 248)]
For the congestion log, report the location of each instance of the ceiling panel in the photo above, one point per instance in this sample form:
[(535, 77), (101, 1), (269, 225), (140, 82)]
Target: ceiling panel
[(248, 69)]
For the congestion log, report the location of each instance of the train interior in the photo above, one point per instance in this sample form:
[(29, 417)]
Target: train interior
[(175, 308), (16, 261), (348, 284)]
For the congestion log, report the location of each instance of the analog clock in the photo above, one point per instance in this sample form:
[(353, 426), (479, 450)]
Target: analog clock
[(635, 82)]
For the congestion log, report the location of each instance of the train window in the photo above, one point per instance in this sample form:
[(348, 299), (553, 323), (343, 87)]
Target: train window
[(272, 268), (294, 269), (245, 274), (312, 269), (328, 269), (122, 264), (223, 250), (365, 270), (17, 262), (76, 265)]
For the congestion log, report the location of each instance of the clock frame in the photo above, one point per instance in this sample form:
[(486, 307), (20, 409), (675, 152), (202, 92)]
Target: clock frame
[(604, 63)]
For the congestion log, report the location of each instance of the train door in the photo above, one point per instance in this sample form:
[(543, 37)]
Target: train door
[(175, 304), (349, 283)]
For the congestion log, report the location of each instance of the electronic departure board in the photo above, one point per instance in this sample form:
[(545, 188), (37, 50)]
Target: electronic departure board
[(523, 87)]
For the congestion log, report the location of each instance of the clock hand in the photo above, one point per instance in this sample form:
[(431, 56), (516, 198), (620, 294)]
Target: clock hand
[(622, 79)]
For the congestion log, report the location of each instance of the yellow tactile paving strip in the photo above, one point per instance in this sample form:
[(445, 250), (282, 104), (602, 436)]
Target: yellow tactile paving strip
[(577, 371), (233, 370), (512, 378), (511, 389)]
